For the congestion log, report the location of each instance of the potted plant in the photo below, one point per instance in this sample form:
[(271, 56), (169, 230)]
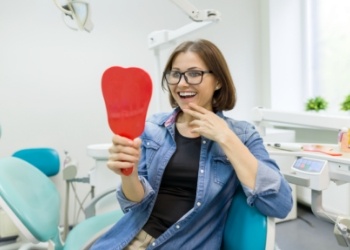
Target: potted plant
[(316, 104), (345, 105)]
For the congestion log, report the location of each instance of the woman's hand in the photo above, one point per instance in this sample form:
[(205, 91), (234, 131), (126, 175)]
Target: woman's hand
[(207, 123), (210, 125), (124, 153)]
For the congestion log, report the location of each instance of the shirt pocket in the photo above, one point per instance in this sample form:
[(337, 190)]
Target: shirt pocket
[(150, 150), (222, 169)]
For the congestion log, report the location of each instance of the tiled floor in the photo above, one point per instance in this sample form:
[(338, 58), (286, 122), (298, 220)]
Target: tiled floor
[(307, 232), (304, 233)]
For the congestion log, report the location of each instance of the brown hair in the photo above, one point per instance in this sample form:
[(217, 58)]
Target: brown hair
[(225, 97)]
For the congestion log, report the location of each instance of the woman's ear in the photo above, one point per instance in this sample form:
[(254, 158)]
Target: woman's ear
[(218, 86)]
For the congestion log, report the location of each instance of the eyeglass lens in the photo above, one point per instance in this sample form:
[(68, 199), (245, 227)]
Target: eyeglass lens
[(191, 77)]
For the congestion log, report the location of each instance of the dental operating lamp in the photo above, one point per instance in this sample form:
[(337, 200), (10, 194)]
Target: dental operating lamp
[(76, 14), (201, 19), (194, 13)]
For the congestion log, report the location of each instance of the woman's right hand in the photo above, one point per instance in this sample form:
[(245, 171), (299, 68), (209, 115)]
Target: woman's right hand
[(124, 153)]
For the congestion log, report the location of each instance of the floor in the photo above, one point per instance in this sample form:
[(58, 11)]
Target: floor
[(307, 232), (304, 233)]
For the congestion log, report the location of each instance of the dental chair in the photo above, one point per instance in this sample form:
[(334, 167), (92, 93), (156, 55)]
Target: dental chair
[(33, 202), (47, 160)]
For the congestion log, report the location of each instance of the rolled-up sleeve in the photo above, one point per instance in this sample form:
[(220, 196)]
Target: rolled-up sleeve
[(272, 193), (267, 181), (126, 204)]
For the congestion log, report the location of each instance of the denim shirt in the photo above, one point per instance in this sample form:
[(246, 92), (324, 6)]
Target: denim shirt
[(202, 227)]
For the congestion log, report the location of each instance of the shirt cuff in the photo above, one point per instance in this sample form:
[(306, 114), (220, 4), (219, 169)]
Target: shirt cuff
[(126, 204), (267, 181)]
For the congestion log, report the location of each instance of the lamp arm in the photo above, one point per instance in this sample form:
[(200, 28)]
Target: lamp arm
[(65, 11), (195, 14)]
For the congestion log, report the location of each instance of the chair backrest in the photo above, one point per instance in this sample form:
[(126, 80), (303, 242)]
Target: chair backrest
[(47, 160), (31, 200), (246, 228)]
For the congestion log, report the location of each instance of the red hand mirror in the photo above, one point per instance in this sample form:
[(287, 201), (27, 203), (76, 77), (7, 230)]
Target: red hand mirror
[(127, 93)]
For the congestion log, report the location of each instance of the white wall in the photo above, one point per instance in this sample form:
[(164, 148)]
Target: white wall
[(50, 75)]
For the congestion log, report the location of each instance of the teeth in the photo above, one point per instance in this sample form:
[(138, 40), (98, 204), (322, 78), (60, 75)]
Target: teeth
[(187, 93)]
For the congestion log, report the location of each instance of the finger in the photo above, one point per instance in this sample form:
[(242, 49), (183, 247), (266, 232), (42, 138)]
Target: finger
[(124, 157), (120, 140), (122, 144), (118, 166), (118, 161), (198, 108), (137, 142), (119, 148), (192, 113)]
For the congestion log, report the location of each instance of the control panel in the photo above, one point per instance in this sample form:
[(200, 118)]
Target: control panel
[(316, 170)]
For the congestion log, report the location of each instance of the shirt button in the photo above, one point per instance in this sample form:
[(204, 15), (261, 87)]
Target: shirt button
[(199, 204), (177, 226), (204, 142), (202, 171), (147, 143), (153, 244)]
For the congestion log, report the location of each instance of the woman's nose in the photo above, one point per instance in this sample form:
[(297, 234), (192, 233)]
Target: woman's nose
[(183, 80)]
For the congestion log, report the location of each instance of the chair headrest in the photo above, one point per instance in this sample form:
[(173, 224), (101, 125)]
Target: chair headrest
[(46, 160)]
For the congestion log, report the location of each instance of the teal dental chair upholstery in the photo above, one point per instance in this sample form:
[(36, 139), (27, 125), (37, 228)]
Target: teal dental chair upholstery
[(246, 228), (47, 160), (32, 200)]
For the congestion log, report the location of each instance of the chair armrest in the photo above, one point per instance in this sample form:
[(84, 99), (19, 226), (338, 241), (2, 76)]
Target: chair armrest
[(84, 234), (90, 209)]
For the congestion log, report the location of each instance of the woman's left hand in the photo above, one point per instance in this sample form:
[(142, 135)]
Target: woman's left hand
[(207, 123)]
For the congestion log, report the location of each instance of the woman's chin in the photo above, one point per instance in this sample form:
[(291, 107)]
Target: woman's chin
[(184, 106)]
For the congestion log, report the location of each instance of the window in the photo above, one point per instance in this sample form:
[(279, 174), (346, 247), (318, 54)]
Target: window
[(328, 50)]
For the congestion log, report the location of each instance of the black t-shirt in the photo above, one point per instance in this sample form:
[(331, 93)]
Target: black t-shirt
[(177, 191)]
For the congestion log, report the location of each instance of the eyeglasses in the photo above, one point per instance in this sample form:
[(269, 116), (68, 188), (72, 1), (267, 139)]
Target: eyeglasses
[(192, 77)]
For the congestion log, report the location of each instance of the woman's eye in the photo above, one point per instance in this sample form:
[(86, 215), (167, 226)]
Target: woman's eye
[(194, 73), (175, 74)]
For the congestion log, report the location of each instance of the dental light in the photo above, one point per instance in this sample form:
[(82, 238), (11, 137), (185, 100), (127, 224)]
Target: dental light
[(201, 19), (76, 14), (195, 14)]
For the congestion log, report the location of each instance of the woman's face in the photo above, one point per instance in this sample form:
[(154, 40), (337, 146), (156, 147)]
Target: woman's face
[(184, 93)]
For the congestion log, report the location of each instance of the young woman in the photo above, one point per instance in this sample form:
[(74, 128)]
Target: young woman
[(188, 163)]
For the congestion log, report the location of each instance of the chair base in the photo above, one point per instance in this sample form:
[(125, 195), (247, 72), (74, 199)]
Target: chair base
[(11, 244)]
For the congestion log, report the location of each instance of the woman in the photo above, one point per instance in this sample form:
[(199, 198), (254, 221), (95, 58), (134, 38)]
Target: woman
[(188, 163)]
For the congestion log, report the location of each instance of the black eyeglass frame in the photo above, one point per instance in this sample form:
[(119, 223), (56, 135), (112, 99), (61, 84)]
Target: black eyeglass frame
[(184, 75)]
